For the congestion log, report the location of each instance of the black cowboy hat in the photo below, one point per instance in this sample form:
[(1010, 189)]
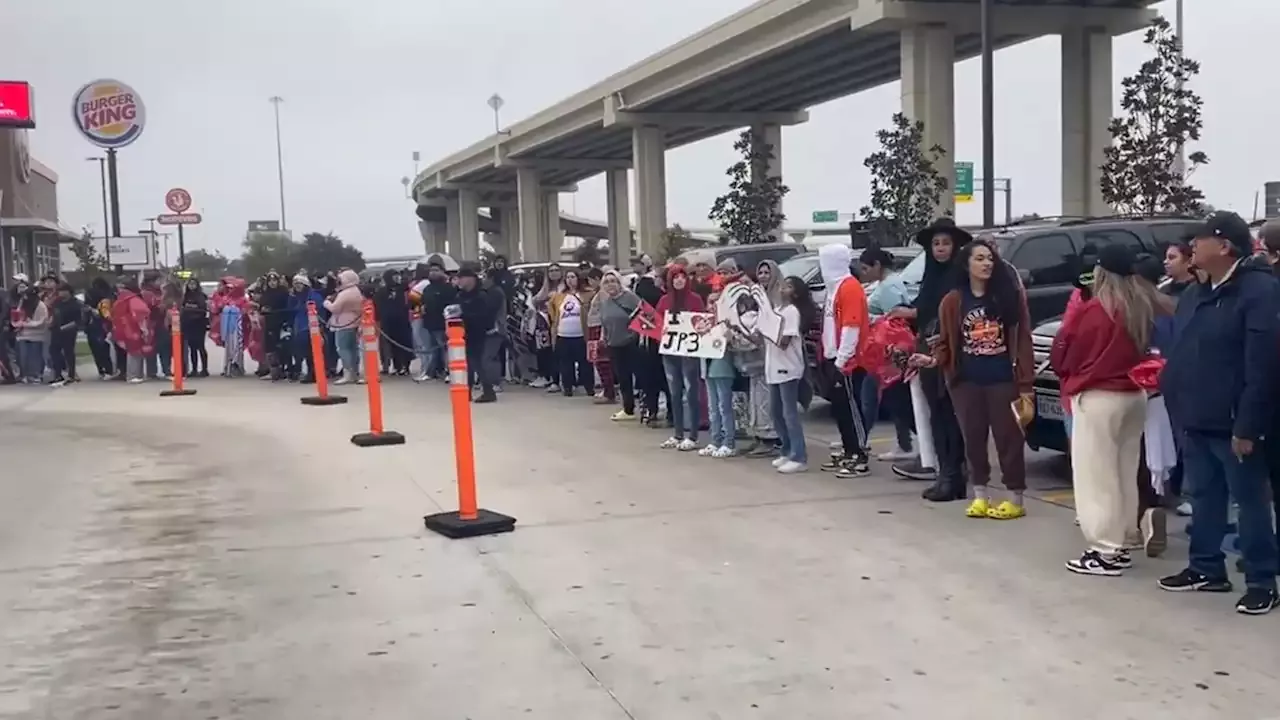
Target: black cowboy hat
[(943, 225)]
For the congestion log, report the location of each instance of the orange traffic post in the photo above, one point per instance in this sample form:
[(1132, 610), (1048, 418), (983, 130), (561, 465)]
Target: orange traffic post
[(469, 520), (318, 366), (179, 360), (377, 435)]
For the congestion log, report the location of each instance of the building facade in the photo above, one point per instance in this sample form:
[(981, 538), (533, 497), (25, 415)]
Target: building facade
[(30, 234)]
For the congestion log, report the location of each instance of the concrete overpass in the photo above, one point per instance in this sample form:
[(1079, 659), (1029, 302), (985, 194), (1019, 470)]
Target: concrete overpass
[(762, 68)]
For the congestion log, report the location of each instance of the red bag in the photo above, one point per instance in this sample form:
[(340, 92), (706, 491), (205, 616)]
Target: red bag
[(889, 344), (1146, 374)]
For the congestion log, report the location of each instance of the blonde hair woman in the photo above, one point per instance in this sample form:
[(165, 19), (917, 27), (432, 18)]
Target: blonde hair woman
[(1092, 356)]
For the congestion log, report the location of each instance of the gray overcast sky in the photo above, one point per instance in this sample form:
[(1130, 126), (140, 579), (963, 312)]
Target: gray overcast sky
[(366, 83)]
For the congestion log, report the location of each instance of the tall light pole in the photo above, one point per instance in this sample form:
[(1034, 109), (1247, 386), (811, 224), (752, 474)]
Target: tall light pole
[(495, 103), (106, 226), (988, 119), (1179, 160), (275, 101)]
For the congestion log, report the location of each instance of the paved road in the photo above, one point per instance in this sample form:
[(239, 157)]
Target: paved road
[(231, 556)]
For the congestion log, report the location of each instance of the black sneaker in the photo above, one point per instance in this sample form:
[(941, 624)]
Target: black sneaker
[(1123, 560), (914, 470), (1093, 563), (1189, 580), (1257, 601), (835, 464), (853, 468)]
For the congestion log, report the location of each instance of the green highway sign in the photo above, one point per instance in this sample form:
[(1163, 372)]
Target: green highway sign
[(826, 216), (964, 182)]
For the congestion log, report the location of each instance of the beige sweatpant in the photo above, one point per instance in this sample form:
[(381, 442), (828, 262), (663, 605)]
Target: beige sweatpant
[(1106, 442)]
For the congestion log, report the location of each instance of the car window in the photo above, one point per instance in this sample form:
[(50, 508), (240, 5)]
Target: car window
[(1049, 258), (1095, 240), (804, 267), (913, 273), (1173, 233), (749, 258)]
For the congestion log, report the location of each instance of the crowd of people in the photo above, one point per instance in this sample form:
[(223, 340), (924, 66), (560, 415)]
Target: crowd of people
[(1165, 367)]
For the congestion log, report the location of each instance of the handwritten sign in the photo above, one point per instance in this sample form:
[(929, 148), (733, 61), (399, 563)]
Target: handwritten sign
[(693, 334), (747, 308)]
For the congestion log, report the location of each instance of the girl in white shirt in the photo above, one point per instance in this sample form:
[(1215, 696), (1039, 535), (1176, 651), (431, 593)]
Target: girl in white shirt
[(570, 319), (784, 370)]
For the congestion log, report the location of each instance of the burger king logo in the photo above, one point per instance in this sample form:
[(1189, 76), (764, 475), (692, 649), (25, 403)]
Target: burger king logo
[(109, 113)]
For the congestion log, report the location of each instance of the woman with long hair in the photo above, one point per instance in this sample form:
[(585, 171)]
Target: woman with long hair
[(1177, 263), (195, 327), (31, 326), (98, 325), (784, 371), (568, 311), (984, 351), (1092, 358), (171, 297), (617, 305), (682, 372), (66, 315)]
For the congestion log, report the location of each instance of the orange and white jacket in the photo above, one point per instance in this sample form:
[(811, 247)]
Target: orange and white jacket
[(845, 319)]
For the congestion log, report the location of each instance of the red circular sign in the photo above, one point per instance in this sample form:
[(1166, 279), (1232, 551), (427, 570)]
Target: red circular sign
[(178, 200)]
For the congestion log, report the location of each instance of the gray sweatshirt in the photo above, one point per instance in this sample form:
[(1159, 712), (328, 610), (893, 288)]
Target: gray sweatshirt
[(615, 318), (36, 327)]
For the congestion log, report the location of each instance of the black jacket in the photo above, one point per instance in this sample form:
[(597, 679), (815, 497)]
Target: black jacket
[(66, 312), (436, 296), (195, 311), (479, 311)]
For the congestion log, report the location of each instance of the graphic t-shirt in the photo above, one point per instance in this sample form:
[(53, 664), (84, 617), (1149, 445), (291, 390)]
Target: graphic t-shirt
[(984, 352), (570, 317), (785, 364)]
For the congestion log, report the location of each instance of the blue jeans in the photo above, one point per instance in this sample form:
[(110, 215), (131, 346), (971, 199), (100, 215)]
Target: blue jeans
[(682, 381), (784, 405), (720, 408), (31, 359), (348, 342), (435, 344), (899, 410), (1217, 477)]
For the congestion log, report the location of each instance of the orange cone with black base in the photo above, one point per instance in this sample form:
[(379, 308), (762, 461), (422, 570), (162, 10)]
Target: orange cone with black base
[(469, 520), (318, 366), (377, 435), (178, 363)]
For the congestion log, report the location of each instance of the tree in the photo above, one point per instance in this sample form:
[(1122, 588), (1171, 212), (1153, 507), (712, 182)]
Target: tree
[(675, 240), (588, 252), (1160, 115), (91, 263), (906, 187), (265, 251), (207, 265), (751, 211), (326, 251)]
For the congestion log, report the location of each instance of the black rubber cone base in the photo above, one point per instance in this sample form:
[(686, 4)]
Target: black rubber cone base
[(386, 437), (177, 393), (487, 522), (316, 400)]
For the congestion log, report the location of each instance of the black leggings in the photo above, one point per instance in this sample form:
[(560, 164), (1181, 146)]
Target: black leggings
[(626, 367), (575, 371), (197, 354)]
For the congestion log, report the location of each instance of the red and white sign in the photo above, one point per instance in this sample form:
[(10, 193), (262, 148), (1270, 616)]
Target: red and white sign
[(178, 200), (179, 219), (17, 107)]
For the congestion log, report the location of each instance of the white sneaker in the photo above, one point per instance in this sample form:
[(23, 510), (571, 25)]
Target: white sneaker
[(553, 388), (137, 381), (791, 467), (780, 461), (622, 416), (708, 450), (538, 383), (724, 451), (344, 380), (670, 443), (897, 455), (687, 445)]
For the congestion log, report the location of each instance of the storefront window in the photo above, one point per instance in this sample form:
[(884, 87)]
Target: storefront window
[(47, 260)]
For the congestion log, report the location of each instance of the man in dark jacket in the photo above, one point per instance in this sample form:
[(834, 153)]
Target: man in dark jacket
[(1219, 386), (479, 307), (436, 295)]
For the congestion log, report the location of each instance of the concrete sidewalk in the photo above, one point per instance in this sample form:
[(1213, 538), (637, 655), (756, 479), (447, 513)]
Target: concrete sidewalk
[(231, 555)]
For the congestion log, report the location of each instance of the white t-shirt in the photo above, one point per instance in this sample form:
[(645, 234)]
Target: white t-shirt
[(570, 317), (785, 364)]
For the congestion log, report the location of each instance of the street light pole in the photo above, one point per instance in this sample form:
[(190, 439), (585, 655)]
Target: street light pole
[(1180, 160), (495, 103), (275, 101), (988, 118), (106, 224)]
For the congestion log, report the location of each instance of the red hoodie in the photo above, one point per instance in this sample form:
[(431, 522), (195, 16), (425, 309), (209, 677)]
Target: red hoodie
[(690, 301), (1094, 352)]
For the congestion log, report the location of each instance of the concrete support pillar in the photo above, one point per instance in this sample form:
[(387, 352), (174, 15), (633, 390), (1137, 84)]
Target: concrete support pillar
[(648, 148), (529, 203), (1086, 112), (467, 241), (769, 136), (619, 209), (552, 235), (434, 236), (494, 241), (509, 232), (928, 95), (451, 231)]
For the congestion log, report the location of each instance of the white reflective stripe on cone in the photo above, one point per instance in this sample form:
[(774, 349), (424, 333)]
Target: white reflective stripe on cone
[(458, 377), (371, 346), (457, 353)]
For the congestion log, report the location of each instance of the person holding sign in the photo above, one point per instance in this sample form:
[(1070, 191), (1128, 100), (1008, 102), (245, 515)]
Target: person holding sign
[(679, 361)]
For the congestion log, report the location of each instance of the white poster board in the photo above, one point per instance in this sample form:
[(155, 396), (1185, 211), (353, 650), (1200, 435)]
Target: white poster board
[(693, 334), (746, 307), (132, 251)]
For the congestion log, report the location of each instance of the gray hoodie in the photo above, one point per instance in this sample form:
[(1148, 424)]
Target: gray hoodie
[(615, 317)]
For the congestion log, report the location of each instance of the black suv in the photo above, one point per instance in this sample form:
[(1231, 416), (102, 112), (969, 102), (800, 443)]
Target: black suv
[(1051, 253)]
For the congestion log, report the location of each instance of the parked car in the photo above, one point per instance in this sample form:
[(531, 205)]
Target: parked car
[(1047, 429), (746, 256), (1050, 254)]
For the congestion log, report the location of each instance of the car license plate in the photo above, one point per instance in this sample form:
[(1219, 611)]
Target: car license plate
[(1049, 407)]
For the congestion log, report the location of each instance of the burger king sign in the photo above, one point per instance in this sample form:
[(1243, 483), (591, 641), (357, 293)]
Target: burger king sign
[(109, 113)]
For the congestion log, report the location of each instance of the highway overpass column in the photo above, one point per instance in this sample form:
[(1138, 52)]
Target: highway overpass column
[(451, 234), (928, 95), (1086, 112), (509, 232), (768, 138), (434, 236), (467, 240), (552, 236), (648, 148), (529, 203), (619, 206)]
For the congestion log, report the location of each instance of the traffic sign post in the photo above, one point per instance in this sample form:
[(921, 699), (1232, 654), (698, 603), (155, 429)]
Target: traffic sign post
[(826, 216), (964, 182)]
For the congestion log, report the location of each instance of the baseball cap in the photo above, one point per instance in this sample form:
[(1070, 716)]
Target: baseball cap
[(1117, 258), (1228, 227)]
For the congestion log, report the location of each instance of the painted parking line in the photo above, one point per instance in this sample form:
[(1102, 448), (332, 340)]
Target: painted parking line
[(1064, 498)]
